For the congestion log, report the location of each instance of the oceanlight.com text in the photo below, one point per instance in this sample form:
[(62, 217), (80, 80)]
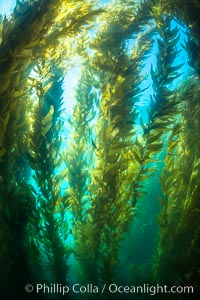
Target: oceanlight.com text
[(152, 290)]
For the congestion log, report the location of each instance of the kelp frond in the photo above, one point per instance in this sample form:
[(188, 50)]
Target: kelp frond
[(45, 160), (78, 159), (110, 188), (180, 185), (107, 162)]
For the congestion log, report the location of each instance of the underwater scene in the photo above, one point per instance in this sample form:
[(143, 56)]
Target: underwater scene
[(99, 149)]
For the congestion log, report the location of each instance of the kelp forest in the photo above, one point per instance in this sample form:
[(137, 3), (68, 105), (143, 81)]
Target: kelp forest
[(100, 149)]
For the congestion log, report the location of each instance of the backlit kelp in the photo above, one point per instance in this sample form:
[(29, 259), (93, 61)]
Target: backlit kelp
[(180, 184), (30, 35), (73, 186), (111, 187), (45, 158), (163, 103), (78, 158), (187, 12)]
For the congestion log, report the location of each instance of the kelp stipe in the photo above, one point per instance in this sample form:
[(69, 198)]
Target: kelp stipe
[(18, 210), (45, 159), (18, 204), (40, 35), (163, 109), (180, 184), (111, 182), (181, 163), (31, 34), (78, 158), (163, 105), (187, 14)]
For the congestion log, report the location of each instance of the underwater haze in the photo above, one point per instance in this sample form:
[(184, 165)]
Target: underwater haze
[(99, 149)]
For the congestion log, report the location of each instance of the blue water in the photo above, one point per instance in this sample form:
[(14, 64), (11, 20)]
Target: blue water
[(139, 243)]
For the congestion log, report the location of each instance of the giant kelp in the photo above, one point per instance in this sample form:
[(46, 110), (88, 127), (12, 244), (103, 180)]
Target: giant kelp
[(38, 38), (78, 158), (109, 156), (44, 157), (163, 104), (111, 187), (187, 13), (27, 38), (180, 184)]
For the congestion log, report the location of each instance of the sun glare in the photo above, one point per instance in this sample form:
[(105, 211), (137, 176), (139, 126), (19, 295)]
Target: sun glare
[(6, 6)]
